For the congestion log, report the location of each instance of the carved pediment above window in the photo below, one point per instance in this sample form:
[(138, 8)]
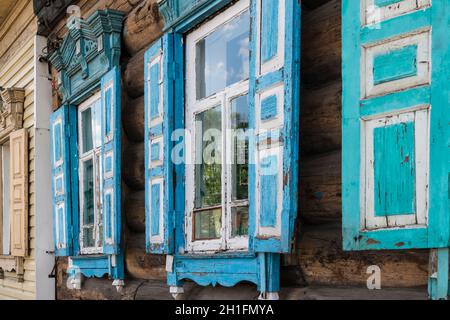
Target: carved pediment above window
[(11, 111), (174, 11), (90, 48)]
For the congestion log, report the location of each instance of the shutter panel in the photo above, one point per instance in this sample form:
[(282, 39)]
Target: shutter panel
[(274, 115), (18, 141), (396, 61), (63, 139), (159, 71), (111, 154)]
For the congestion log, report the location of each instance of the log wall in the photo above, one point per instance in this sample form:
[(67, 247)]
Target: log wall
[(319, 259)]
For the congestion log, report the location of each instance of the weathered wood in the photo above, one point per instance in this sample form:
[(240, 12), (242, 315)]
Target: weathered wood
[(323, 262), (133, 119), (134, 207), (134, 75), (133, 165), (320, 188), (141, 265), (321, 44), (142, 26), (320, 119)]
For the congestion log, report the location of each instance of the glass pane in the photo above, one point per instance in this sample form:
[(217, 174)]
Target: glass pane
[(239, 221), (239, 166), (88, 237), (222, 58), (88, 201), (97, 108), (86, 129), (208, 168), (207, 224)]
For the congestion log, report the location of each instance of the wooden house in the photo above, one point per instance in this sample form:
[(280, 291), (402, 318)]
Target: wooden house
[(346, 169), (26, 243)]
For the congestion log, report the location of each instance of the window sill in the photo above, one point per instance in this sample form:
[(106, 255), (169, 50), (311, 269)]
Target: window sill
[(10, 264)]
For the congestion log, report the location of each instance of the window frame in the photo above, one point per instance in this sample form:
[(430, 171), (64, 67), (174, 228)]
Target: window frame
[(193, 107), (95, 154)]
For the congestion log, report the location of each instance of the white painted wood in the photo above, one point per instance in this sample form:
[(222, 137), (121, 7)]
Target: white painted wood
[(157, 59), (194, 107), (159, 161), (420, 118), (278, 121), (420, 38), (278, 61), (371, 14), (96, 157)]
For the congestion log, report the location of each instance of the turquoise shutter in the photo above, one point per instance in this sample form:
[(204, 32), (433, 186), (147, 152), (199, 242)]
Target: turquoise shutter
[(396, 62), (111, 159), (63, 139), (158, 72), (274, 115)]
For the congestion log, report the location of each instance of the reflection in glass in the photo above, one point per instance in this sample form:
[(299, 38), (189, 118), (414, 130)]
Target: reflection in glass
[(239, 167), (222, 57), (207, 224), (208, 168), (97, 124), (86, 128), (88, 204), (239, 221)]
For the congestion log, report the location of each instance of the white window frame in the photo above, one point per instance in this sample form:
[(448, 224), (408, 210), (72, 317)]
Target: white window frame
[(194, 107), (96, 156)]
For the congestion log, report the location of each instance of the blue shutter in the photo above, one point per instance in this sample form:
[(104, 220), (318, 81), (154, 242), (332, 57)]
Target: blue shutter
[(396, 62), (111, 154), (64, 167), (274, 115), (159, 80)]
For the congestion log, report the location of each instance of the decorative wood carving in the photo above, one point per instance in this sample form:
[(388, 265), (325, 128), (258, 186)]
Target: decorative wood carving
[(90, 48), (10, 264), (11, 111)]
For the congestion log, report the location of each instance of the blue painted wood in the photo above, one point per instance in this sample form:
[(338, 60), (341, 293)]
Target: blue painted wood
[(438, 284), (384, 3), (394, 155), (269, 108), (97, 266), (162, 49), (226, 268), (289, 76), (111, 144), (436, 234), (81, 73), (62, 138), (269, 28), (155, 209), (395, 65), (268, 192)]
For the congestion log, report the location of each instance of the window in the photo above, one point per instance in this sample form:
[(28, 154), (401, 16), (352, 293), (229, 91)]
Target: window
[(217, 73), (5, 213), (90, 175)]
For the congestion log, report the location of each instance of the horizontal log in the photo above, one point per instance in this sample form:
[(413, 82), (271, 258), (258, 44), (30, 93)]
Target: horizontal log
[(133, 165), (133, 119), (321, 44), (320, 191), (134, 75), (134, 207), (323, 262), (141, 265), (142, 26), (320, 119)]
